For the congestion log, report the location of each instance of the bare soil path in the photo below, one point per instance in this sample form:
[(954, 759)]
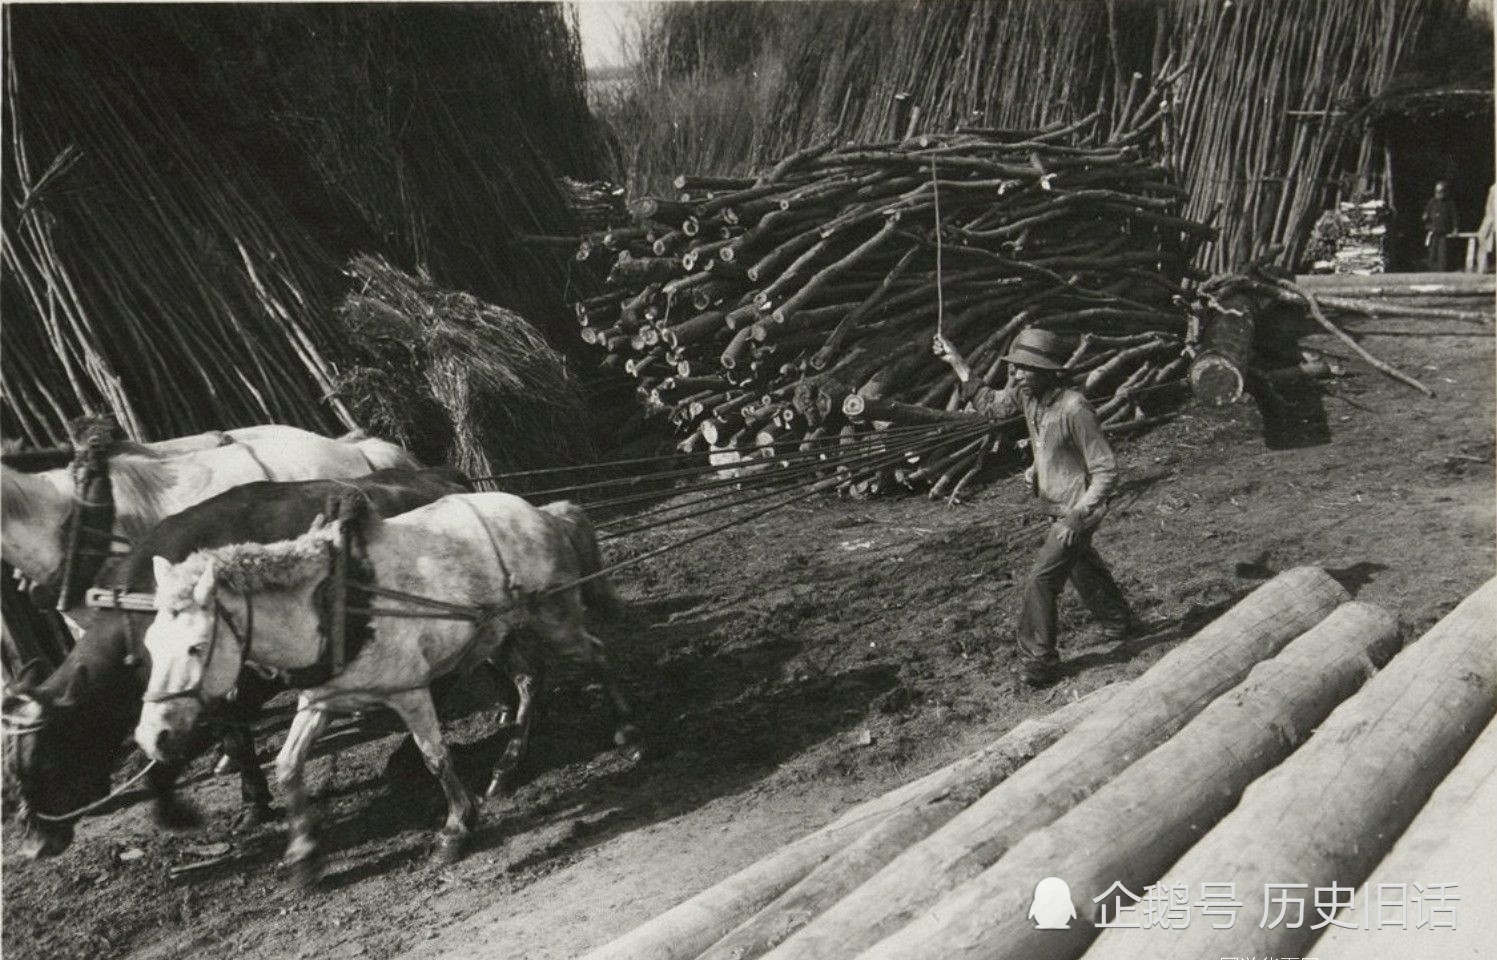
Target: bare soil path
[(795, 666)]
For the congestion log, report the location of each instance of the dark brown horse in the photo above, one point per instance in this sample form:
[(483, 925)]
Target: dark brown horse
[(64, 734)]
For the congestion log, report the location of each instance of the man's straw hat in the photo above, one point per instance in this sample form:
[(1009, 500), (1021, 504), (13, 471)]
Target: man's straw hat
[(1038, 349)]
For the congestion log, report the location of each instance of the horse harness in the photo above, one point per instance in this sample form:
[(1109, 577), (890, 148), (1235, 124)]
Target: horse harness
[(345, 601), (88, 532)]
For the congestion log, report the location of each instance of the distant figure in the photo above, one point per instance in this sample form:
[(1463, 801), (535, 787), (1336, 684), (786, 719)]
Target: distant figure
[(1439, 224), (1486, 235), (1052, 908)]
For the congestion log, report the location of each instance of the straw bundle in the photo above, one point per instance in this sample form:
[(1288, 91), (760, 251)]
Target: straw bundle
[(456, 380)]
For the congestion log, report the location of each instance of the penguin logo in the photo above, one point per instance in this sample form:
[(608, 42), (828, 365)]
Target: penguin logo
[(1052, 908)]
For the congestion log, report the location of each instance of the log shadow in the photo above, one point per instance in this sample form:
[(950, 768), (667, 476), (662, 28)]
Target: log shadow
[(1293, 413), (1121, 652), (1357, 575), (1290, 407)]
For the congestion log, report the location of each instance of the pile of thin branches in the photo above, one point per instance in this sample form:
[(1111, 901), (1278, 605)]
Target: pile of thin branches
[(1267, 116), (183, 184), (767, 314), (456, 380), (138, 277)]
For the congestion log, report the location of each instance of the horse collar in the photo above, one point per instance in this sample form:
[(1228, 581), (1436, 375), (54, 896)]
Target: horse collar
[(88, 531)]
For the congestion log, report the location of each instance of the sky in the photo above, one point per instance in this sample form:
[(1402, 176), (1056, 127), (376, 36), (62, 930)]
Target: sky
[(600, 22)]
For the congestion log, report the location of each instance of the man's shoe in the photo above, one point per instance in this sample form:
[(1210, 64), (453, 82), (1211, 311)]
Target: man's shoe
[(1037, 678)]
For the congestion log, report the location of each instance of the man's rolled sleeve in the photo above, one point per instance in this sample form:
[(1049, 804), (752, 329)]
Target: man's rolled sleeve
[(991, 403)]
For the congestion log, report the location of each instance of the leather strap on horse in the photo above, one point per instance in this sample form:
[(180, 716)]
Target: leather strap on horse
[(88, 531)]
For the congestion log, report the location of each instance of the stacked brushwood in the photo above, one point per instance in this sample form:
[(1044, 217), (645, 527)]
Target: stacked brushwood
[(456, 380), (595, 204), (1350, 238), (761, 314)]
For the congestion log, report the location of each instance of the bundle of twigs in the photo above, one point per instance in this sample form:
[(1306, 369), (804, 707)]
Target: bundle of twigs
[(769, 312), (456, 380), (595, 204)]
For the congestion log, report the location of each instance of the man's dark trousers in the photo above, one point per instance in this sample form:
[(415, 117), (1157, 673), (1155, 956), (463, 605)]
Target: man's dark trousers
[(1056, 564)]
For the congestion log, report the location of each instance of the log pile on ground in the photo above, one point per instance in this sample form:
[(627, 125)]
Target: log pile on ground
[(1350, 238), (907, 875), (1268, 112), (1372, 763), (1279, 699), (800, 304), (596, 205), (1236, 311)]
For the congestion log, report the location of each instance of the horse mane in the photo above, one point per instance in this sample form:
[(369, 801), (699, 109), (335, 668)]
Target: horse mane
[(140, 484), (13, 493), (251, 567), (130, 448)]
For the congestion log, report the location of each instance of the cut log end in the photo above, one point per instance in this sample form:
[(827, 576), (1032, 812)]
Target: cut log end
[(1216, 380)]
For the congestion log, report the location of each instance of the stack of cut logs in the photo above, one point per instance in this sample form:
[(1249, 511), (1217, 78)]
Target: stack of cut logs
[(595, 204), (763, 313)]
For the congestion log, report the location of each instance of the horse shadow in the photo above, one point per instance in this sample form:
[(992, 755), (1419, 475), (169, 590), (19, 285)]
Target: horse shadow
[(710, 694)]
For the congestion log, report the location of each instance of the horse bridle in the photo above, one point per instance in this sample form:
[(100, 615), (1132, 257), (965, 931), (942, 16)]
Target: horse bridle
[(220, 615)]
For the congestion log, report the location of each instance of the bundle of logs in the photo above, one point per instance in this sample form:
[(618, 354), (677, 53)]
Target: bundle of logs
[(762, 314), (595, 205)]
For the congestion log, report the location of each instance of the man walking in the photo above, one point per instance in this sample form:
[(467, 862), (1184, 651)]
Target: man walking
[(1074, 474)]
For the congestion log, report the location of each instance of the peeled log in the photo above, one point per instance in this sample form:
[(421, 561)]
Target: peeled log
[(856, 407), (690, 927), (1155, 705), (1140, 822), (1451, 841), (1218, 374), (1330, 812), (840, 873)]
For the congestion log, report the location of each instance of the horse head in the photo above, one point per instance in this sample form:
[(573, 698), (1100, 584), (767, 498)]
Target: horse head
[(194, 660), (53, 765)]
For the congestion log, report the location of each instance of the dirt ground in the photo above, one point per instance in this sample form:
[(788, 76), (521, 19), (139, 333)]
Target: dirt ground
[(792, 667)]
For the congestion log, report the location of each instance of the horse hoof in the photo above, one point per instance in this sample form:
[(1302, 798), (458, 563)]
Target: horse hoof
[(226, 765), (498, 785), (630, 742), (450, 849), (254, 816)]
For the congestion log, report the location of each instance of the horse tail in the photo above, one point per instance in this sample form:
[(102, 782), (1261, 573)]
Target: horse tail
[(381, 454), (598, 594)]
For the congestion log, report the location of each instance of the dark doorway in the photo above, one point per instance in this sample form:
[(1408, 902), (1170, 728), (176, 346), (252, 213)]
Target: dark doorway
[(1436, 137)]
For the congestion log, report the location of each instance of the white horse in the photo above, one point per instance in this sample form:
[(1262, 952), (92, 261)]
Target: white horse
[(153, 481), (250, 602)]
